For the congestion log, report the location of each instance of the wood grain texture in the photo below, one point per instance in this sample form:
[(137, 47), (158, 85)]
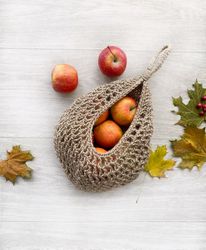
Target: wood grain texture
[(78, 24), (106, 236), (48, 213)]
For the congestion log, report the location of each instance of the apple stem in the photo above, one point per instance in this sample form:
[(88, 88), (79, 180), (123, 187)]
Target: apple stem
[(133, 107), (115, 58)]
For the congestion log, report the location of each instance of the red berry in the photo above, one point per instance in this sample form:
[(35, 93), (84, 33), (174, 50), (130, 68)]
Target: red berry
[(204, 110), (201, 113), (203, 106), (199, 105), (204, 98)]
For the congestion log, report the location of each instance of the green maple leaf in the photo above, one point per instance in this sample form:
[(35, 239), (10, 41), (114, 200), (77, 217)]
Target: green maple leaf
[(188, 112)]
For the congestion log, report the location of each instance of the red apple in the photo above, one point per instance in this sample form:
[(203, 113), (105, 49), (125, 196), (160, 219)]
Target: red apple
[(124, 111), (101, 150), (107, 134), (64, 78), (102, 118), (112, 61)]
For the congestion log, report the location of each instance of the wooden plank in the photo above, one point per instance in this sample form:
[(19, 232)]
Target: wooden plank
[(30, 108), (49, 196), (142, 25), (110, 236), (47, 212)]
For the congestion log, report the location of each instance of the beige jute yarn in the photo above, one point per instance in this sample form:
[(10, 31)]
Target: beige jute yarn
[(89, 170)]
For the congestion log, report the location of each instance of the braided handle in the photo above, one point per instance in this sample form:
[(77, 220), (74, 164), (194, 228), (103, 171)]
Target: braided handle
[(156, 62)]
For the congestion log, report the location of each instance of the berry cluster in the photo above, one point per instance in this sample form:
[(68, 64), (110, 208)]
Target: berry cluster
[(202, 106)]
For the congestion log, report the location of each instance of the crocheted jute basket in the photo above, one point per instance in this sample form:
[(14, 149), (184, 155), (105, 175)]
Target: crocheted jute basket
[(86, 168)]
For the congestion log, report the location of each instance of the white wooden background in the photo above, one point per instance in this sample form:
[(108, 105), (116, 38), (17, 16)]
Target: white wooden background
[(48, 213)]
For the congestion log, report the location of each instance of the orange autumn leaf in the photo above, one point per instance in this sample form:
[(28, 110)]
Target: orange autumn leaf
[(15, 164), (191, 148)]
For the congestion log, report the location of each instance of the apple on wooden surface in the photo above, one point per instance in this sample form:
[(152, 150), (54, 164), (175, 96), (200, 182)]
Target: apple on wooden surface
[(64, 78), (112, 61)]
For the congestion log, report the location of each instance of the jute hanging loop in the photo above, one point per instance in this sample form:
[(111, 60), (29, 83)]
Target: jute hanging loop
[(89, 170)]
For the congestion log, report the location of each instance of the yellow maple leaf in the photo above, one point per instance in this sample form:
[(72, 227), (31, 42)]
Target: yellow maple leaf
[(191, 148), (15, 164), (157, 165)]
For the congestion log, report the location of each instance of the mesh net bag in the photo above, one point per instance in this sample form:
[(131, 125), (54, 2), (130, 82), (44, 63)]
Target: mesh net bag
[(86, 168)]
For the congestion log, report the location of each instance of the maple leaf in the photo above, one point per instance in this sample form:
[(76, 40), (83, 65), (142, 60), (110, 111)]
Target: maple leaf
[(191, 148), (15, 164), (188, 112), (157, 165)]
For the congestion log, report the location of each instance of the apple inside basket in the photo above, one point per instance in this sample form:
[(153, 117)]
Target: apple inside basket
[(114, 122)]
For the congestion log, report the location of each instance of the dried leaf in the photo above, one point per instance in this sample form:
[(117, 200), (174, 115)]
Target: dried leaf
[(15, 164), (157, 165), (188, 112), (191, 148)]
